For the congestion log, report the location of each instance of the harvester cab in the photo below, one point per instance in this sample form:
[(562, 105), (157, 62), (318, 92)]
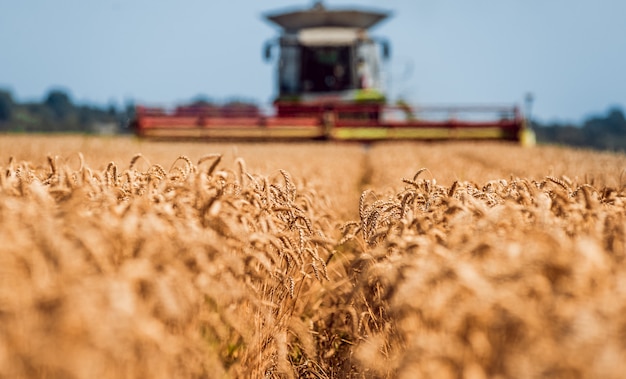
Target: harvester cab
[(327, 56)]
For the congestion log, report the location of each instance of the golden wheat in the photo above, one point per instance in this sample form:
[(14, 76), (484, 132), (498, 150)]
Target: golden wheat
[(467, 268)]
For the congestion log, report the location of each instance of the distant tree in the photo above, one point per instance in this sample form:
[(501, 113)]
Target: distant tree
[(85, 117), (613, 123), (201, 99), (60, 104), (112, 110), (606, 132), (129, 108), (7, 105)]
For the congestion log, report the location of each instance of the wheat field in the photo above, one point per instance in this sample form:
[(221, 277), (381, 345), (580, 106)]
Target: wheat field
[(123, 258)]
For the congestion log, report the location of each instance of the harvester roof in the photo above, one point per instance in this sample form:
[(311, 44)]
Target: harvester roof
[(320, 16)]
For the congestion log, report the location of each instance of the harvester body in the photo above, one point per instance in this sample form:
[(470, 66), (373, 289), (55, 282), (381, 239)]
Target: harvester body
[(330, 86)]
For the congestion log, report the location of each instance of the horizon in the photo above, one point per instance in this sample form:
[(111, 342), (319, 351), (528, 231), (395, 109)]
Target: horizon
[(569, 55)]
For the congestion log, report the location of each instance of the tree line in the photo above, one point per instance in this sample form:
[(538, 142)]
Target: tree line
[(56, 112), (600, 132)]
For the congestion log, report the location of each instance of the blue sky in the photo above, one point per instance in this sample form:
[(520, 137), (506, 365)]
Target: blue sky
[(571, 54)]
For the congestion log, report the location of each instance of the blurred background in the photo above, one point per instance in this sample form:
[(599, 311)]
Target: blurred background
[(562, 61)]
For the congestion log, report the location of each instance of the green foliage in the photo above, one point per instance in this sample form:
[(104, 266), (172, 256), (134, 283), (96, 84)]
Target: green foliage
[(60, 104), (6, 106), (56, 113), (598, 132)]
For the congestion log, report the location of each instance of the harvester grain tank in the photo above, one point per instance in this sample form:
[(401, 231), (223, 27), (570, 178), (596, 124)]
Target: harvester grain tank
[(330, 85)]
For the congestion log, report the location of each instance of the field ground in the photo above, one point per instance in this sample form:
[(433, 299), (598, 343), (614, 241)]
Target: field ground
[(341, 170), (124, 258)]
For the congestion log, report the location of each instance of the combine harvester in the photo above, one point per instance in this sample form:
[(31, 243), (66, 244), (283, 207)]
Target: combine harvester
[(330, 87)]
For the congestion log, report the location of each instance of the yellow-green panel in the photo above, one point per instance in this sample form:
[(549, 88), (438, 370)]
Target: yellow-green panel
[(375, 133), (370, 133), (369, 95)]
